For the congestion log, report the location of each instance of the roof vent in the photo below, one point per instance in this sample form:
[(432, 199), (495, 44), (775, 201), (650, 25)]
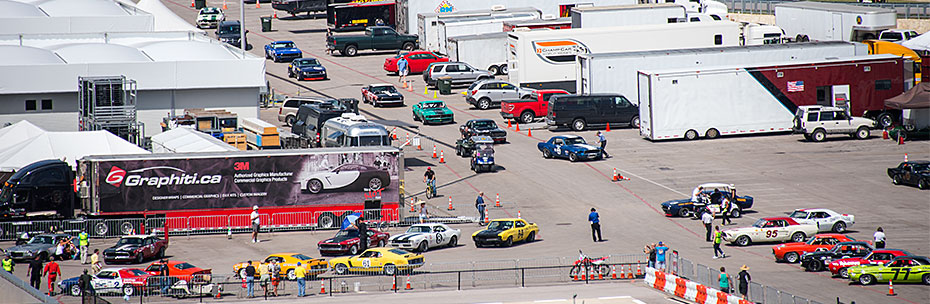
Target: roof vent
[(549, 17), (498, 8)]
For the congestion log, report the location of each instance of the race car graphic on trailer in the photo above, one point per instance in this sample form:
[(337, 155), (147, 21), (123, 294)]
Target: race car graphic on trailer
[(349, 177), (421, 237)]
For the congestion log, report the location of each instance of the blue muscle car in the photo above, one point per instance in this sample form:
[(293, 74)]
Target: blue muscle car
[(306, 69), (282, 51), (708, 200), (572, 147)]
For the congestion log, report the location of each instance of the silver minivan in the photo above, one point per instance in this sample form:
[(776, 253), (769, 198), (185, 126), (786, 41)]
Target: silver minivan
[(288, 111), (487, 93), (460, 72)]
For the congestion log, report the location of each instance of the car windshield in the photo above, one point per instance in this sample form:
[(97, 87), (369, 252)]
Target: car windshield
[(210, 10), (42, 239), (760, 223), (351, 233), (399, 251), (136, 272), (306, 62), (383, 89), (129, 241), (183, 266), (418, 229), (485, 124), (278, 45), (370, 141), (921, 167), (301, 257), (230, 28), (574, 141), (799, 214), (434, 105), (500, 225)]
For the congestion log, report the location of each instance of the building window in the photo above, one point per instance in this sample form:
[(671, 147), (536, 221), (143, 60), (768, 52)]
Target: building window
[(882, 85), (46, 104), (30, 105), (718, 39)]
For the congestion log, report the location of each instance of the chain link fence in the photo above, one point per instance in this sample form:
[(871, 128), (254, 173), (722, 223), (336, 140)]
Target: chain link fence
[(767, 7)]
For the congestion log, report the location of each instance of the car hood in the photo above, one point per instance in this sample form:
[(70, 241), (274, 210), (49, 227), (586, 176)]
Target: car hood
[(408, 236), (70, 281), (740, 230), (30, 247), (340, 240), (817, 255), (675, 202), (228, 35), (488, 233), (579, 147), (209, 17), (437, 111), (388, 94), (287, 50), (311, 68), (127, 247)]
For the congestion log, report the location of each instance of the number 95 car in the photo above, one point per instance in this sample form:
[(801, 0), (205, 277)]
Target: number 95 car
[(772, 229), (383, 259)]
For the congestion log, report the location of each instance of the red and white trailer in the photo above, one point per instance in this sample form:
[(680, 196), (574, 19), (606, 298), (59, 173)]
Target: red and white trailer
[(763, 98)]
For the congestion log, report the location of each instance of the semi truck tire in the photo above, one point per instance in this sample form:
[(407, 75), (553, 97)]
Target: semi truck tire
[(494, 70)]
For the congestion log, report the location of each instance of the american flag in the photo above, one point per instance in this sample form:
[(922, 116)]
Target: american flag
[(796, 86)]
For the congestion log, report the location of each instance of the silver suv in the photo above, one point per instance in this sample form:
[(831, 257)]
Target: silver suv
[(288, 111), (815, 122), (460, 72), (487, 93)]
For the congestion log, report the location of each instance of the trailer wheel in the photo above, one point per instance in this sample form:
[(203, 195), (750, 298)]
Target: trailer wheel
[(504, 69), (326, 220), (885, 121), (691, 135), (101, 229), (712, 133), (494, 70)]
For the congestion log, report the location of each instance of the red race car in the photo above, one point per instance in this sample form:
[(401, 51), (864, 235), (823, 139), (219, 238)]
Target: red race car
[(417, 61), (346, 241), (792, 252), (180, 270), (876, 257)]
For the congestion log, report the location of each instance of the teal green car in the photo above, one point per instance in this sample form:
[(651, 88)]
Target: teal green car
[(903, 269), (432, 112)]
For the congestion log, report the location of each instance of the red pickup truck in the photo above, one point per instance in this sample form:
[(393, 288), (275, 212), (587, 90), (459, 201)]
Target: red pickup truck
[(526, 110)]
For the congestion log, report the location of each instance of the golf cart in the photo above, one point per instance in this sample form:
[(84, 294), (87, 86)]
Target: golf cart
[(482, 155)]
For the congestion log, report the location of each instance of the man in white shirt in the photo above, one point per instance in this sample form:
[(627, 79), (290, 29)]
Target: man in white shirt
[(708, 220), (255, 223), (879, 238), (694, 195)]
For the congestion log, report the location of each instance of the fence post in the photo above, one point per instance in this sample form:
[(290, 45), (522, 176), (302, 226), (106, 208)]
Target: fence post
[(522, 277), (460, 280), (330, 283)]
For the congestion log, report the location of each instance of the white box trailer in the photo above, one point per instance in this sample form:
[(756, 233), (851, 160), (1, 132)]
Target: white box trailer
[(485, 51), (475, 26), (428, 23), (546, 59), (763, 97), (833, 21), (617, 72), (408, 10), (618, 15), (709, 7)]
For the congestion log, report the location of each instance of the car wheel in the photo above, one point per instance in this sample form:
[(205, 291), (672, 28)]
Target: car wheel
[(291, 275), (926, 279), (508, 242), (862, 133), (807, 137), (350, 51), (161, 253), (885, 121), (691, 135), (839, 227), (453, 241), (547, 154), (867, 279), (242, 273), (819, 135), (390, 269), (422, 247), (530, 237), (415, 118), (896, 179), (128, 290), (290, 120), (579, 124), (743, 240), (494, 70), (736, 213), (684, 212), (139, 258), (798, 237), (573, 157), (843, 273), (712, 133), (341, 268), (922, 184), (815, 266), (314, 186), (792, 257), (380, 243), (290, 74), (75, 290), (527, 117), (375, 183), (267, 56), (408, 46), (353, 250), (484, 103), (634, 123)]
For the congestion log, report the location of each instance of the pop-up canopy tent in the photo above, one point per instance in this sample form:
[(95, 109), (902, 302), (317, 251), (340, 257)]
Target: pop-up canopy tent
[(19, 132), (919, 43), (917, 97), (67, 146), (187, 140)]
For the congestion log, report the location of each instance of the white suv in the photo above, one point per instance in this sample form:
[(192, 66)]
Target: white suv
[(815, 122)]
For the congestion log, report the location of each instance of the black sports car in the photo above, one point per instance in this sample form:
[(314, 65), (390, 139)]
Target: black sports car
[(914, 173), (349, 177), (306, 69), (381, 94), (818, 260), (483, 127)]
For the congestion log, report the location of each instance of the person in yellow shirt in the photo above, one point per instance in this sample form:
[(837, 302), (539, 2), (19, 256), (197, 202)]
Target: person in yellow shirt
[(301, 273), (264, 275), (95, 265)]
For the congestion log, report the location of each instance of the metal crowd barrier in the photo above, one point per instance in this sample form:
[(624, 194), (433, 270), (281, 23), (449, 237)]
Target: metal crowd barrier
[(757, 293)]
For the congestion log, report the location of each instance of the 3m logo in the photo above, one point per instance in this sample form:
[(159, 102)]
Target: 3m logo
[(562, 51), (116, 176), (445, 7)]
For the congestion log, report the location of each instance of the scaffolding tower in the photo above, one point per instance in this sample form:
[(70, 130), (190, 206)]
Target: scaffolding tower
[(109, 103)]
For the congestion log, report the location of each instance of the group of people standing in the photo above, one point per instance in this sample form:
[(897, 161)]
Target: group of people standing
[(269, 273)]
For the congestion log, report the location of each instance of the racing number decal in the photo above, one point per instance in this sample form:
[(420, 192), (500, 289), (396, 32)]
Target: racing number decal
[(771, 234), (558, 150), (898, 271), (438, 238), (520, 234), (366, 263)]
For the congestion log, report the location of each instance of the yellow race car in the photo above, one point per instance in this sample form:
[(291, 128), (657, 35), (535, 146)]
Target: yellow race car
[(288, 262), (382, 259), (504, 232)]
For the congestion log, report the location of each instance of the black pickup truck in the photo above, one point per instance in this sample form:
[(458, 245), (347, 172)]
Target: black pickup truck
[(375, 38)]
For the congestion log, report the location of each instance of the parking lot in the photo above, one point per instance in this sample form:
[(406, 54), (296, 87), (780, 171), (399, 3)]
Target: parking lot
[(781, 172)]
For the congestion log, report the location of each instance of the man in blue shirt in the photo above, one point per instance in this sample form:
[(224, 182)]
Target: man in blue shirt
[(660, 256), (595, 220), (603, 142), (479, 204), (402, 69)]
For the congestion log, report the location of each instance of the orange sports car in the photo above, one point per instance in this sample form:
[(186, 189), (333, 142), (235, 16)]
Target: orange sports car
[(792, 252), (181, 270)]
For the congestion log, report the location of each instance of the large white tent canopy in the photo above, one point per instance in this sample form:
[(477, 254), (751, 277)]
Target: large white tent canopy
[(67, 146), (919, 43), (182, 140)]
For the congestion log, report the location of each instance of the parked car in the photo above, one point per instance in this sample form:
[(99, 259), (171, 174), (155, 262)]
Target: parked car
[(228, 31), (42, 245), (283, 50), (382, 94), (529, 108), (825, 219), (386, 260), (687, 207), (346, 241), (489, 93), (504, 232), (572, 147), (904, 269), (288, 262), (210, 17), (581, 111), (432, 111), (417, 61), (818, 260), (897, 35), (306, 69), (770, 229), (135, 248), (348, 177), (288, 111), (123, 281), (792, 252), (483, 127), (815, 122), (913, 173), (459, 72), (876, 257), (181, 270), (421, 237), (374, 38)]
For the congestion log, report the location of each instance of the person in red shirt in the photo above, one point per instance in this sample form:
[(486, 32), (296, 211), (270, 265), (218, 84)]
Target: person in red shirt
[(53, 271)]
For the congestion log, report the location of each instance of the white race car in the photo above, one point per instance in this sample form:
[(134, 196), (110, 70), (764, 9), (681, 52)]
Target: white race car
[(209, 17), (348, 177), (421, 237), (825, 219), (772, 229)]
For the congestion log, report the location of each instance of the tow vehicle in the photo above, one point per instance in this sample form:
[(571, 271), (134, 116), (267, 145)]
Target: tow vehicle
[(375, 38), (529, 109)]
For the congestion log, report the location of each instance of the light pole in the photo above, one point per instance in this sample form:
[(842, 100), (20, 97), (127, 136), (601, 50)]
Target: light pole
[(242, 24)]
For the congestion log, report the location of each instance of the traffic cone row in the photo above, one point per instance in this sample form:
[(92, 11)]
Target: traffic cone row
[(639, 269), (450, 204), (613, 272), (442, 157), (497, 202), (508, 124)]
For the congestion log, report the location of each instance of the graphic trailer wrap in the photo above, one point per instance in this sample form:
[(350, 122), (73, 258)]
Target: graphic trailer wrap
[(241, 182)]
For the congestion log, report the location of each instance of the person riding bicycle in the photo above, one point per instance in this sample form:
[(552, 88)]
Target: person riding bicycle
[(430, 179)]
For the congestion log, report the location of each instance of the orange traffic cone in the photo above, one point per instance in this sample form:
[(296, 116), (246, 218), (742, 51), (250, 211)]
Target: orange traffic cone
[(394, 136), (434, 151), (518, 127), (529, 132), (419, 147), (450, 204), (487, 217), (322, 282), (410, 87), (258, 4), (616, 177), (905, 157), (608, 127), (192, 3), (404, 84), (394, 285), (407, 137), (576, 278), (508, 124), (497, 202), (885, 134), (600, 276), (639, 269), (613, 272), (519, 216), (275, 15), (243, 282), (413, 207), (891, 289), (442, 157), (900, 139), (224, 5), (408, 284)]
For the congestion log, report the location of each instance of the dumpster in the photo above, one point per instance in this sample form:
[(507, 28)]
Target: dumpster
[(199, 4), (266, 24), (444, 84)]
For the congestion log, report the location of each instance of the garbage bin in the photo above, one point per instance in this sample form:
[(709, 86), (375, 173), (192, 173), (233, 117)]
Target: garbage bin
[(444, 84), (266, 24), (199, 4)]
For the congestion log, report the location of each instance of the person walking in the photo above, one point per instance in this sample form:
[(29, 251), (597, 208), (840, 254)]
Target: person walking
[(744, 279), (480, 205), (424, 212), (879, 238), (256, 223), (84, 281), (661, 251), (708, 220), (95, 264), (718, 238), (8, 264), (53, 271), (301, 273), (264, 277), (83, 242), (724, 280), (402, 69), (35, 273), (275, 270), (725, 206), (603, 142), (250, 279), (595, 220)]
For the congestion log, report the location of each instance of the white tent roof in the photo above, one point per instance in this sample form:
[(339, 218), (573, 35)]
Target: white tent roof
[(165, 19), (19, 132), (187, 140), (919, 43), (68, 146)]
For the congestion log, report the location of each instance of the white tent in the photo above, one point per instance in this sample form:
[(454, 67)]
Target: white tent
[(165, 19), (68, 146), (19, 132), (187, 140), (919, 43)]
